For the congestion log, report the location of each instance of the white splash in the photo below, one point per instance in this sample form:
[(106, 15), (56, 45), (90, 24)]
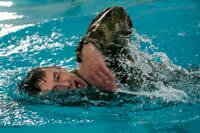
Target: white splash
[(165, 88), (31, 43), (9, 15), (166, 93), (6, 3), (5, 29)]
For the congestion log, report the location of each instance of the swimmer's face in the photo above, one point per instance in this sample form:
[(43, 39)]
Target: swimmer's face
[(56, 78)]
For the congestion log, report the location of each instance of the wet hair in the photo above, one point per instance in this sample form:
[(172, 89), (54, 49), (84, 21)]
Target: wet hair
[(30, 83)]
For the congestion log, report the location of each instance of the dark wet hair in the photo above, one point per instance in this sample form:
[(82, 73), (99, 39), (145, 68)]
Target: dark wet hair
[(30, 83)]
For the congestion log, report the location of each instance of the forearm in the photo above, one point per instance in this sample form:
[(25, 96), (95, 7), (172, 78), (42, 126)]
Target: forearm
[(93, 69)]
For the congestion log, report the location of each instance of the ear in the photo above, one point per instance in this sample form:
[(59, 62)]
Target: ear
[(41, 85)]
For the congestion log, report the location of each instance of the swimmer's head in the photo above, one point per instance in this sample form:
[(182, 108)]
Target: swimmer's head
[(50, 78)]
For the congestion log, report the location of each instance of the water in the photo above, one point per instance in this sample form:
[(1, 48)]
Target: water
[(33, 34)]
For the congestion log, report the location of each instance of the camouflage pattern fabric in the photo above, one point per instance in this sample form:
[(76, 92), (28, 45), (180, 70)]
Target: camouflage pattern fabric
[(110, 32), (104, 29)]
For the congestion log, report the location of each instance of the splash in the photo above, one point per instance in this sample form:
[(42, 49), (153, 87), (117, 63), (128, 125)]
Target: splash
[(167, 94), (169, 82)]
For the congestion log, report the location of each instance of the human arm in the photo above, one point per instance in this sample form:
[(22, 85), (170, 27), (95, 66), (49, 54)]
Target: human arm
[(93, 69), (99, 42)]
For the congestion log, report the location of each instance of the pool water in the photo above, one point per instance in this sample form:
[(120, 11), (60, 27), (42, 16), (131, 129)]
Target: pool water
[(43, 33)]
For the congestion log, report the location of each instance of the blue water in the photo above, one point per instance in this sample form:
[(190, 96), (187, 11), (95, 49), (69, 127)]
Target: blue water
[(42, 33)]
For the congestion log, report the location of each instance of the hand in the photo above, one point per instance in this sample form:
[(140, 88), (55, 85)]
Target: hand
[(94, 70)]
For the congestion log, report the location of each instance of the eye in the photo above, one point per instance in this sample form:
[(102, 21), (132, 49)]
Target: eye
[(57, 76)]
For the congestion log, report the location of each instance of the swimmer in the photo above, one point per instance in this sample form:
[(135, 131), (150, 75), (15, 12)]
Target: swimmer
[(99, 55)]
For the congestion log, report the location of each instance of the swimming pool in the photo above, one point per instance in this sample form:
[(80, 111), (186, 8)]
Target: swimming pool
[(35, 33)]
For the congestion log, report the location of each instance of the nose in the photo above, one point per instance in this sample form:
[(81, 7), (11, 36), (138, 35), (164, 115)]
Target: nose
[(65, 79)]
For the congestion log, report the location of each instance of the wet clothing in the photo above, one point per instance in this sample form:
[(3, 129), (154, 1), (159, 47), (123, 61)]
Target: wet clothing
[(105, 29), (111, 32)]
